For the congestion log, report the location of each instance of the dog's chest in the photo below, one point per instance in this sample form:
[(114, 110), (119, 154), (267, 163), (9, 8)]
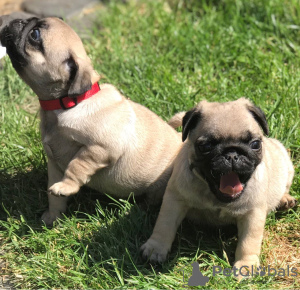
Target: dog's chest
[(211, 216), (59, 148), (205, 209), (61, 139)]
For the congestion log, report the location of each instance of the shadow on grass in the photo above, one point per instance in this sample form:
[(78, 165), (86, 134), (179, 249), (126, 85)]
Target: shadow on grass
[(115, 244), (23, 193), (117, 229)]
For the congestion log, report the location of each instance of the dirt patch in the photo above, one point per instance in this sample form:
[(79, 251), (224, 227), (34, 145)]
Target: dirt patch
[(9, 6), (282, 248), (4, 277)]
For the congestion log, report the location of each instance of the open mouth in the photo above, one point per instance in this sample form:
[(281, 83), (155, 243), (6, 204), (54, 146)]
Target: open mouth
[(230, 187)]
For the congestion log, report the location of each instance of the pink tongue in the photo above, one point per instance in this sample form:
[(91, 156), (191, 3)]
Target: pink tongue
[(230, 184)]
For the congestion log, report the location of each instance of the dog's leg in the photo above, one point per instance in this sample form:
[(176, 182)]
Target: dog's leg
[(57, 205), (250, 234), (286, 202), (79, 171), (171, 214)]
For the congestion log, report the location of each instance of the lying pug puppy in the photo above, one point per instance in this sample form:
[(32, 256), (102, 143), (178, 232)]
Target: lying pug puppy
[(92, 135), (227, 172)]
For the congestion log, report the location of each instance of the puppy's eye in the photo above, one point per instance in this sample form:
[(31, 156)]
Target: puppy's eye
[(205, 147), (255, 145), (35, 34)]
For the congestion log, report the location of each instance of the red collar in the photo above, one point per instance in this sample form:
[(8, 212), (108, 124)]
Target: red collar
[(66, 103)]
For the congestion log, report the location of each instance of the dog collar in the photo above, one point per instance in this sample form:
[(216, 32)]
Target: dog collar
[(66, 102)]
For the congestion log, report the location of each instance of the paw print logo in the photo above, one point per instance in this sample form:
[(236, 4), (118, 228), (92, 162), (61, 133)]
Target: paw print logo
[(261, 271)]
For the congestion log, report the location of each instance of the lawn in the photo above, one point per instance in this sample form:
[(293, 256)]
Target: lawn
[(166, 55)]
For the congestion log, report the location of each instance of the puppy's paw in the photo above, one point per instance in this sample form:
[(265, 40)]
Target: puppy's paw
[(286, 202), (154, 251), (63, 188), (245, 265), (50, 217)]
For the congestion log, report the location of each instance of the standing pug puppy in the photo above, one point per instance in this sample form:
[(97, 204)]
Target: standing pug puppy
[(227, 172), (92, 135)]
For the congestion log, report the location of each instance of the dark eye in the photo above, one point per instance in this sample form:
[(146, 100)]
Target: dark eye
[(205, 147), (255, 145), (35, 35)]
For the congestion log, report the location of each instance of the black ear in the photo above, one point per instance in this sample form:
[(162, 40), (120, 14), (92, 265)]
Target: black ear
[(259, 117), (80, 77), (189, 122)]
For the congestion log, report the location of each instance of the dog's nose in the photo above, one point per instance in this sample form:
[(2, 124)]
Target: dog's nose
[(18, 23), (232, 156), (6, 19)]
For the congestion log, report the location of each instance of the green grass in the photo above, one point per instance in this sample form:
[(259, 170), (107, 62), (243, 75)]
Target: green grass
[(167, 56)]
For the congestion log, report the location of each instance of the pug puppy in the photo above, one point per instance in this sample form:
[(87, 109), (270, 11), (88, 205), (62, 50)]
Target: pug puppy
[(92, 135), (227, 172)]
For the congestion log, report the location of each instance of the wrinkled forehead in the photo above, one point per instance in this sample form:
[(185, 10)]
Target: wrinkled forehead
[(58, 36), (228, 120), (59, 26)]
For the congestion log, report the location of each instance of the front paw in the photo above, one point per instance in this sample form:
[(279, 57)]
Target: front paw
[(287, 202), (154, 251), (63, 188), (50, 217), (247, 266)]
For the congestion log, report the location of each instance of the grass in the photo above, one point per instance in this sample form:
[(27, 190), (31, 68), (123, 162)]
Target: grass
[(167, 56)]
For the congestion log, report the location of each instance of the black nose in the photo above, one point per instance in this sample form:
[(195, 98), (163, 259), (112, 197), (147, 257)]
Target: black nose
[(18, 22), (232, 156)]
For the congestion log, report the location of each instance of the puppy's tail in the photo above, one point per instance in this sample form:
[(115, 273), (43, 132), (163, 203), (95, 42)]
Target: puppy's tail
[(176, 120)]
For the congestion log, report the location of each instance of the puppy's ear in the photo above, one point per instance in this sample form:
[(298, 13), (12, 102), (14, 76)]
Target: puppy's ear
[(189, 122), (82, 76), (259, 117)]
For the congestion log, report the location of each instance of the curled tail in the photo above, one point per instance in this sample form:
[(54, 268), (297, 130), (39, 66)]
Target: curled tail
[(176, 120)]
